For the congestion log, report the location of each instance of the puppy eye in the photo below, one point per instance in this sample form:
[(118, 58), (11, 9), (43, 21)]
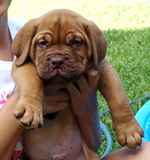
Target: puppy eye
[(42, 43), (74, 41)]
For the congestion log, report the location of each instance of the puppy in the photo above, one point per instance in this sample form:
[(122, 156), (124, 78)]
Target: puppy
[(52, 51)]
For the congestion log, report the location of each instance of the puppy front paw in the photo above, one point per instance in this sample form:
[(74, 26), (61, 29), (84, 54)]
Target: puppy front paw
[(129, 133), (29, 113)]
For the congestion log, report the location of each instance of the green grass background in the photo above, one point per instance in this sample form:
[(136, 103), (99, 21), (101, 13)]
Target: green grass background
[(126, 25)]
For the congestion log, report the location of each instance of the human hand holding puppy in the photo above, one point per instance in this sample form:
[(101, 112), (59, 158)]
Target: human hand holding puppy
[(84, 106)]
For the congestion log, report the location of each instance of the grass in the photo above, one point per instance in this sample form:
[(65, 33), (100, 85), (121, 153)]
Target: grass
[(127, 29), (129, 52)]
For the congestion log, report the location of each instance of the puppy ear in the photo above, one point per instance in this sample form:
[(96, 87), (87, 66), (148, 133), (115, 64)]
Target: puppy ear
[(22, 43), (97, 42)]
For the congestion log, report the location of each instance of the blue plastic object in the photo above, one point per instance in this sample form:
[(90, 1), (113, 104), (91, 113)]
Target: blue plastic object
[(143, 117), (108, 137)]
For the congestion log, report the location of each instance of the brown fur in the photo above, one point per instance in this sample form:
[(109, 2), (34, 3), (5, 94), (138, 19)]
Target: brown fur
[(62, 46)]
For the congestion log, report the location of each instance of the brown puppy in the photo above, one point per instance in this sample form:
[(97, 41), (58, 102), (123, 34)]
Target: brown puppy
[(62, 45)]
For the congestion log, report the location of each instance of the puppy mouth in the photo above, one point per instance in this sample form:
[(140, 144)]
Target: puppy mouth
[(56, 71), (60, 72), (61, 66)]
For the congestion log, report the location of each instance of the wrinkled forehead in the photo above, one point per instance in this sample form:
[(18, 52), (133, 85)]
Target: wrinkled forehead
[(61, 22)]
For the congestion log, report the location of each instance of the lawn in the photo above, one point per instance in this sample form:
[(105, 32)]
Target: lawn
[(126, 26)]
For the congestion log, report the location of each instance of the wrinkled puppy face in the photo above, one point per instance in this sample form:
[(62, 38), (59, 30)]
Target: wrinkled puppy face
[(60, 43), (60, 49)]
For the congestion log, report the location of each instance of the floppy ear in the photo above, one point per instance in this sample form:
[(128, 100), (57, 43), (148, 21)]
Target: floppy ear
[(22, 43), (97, 42)]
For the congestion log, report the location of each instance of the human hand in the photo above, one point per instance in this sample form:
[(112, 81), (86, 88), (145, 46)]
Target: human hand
[(83, 93), (84, 106)]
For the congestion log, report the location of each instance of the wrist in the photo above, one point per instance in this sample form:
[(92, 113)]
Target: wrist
[(8, 113)]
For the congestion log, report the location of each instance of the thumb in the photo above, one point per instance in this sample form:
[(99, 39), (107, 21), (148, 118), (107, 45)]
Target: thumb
[(93, 77)]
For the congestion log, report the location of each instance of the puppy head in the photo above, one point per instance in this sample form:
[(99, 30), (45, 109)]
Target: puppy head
[(60, 43)]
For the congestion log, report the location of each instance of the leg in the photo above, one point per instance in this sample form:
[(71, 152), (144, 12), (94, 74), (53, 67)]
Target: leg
[(127, 129), (29, 86)]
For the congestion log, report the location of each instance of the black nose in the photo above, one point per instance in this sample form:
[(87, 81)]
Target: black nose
[(57, 61)]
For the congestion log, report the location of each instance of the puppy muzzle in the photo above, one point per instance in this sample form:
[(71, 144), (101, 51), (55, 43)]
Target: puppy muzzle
[(62, 65)]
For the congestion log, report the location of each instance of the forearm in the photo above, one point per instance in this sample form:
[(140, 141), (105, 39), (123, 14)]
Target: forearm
[(84, 107), (112, 90), (89, 126), (10, 130), (27, 81)]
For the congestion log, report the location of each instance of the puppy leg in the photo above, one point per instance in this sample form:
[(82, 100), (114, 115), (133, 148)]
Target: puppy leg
[(128, 131), (29, 86)]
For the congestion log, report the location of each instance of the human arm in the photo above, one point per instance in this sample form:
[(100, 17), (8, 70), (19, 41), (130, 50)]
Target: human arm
[(10, 129), (84, 107)]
